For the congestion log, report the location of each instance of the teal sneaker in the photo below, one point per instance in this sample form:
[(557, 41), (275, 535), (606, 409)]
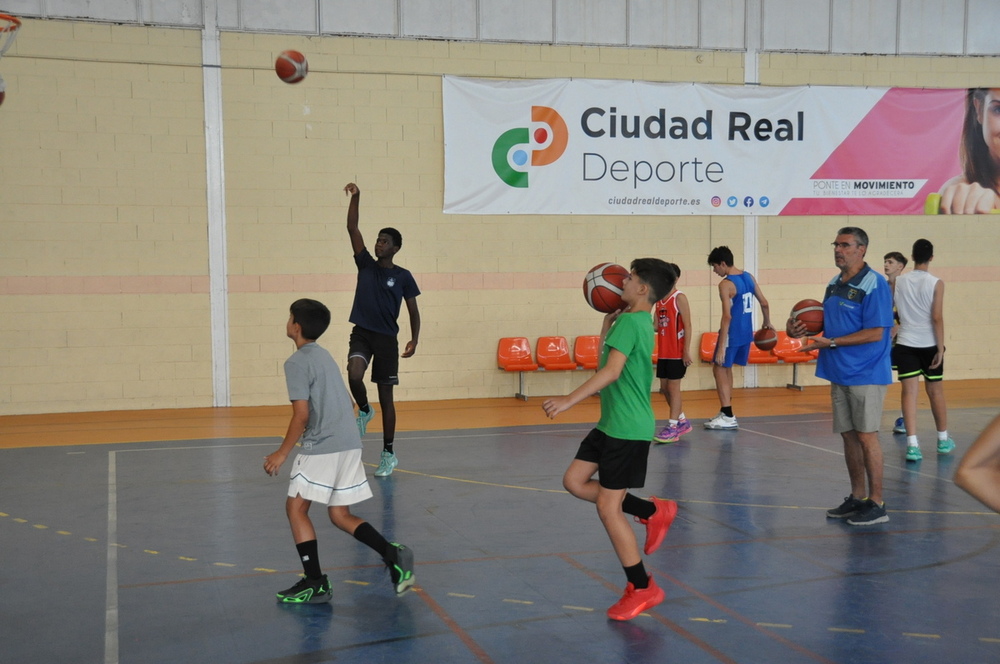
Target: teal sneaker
[(399, 560), (386, 464), (913, 453), (364, 418), (307, 591), (946, 446)]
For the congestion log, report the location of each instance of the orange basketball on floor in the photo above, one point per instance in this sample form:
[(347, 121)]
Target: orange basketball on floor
[(291, 66), (810, 313), (603, 287), (765, 339)]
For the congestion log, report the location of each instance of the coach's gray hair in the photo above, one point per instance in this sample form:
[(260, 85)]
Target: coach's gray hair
[(858, 234)]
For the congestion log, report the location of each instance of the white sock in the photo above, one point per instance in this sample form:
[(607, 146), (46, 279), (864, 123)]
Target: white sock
[(912, 441), (672, 423), (682, 417), (943, 435)]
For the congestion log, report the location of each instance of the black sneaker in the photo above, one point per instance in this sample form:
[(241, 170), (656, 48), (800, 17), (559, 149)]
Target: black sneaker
[(848, 508), (399, 560), (869, 515), (307, 591)]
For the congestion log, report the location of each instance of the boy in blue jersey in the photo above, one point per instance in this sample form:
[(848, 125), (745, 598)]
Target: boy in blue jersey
[(737, 291), (328, 465), (854, 355), (617, 449), (382, 287)]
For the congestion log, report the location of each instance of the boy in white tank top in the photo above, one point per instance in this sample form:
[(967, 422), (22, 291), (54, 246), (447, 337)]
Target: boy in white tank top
[(919, 349)]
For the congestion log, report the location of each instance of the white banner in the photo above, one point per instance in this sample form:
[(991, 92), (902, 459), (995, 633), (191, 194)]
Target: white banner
[(628, 147)]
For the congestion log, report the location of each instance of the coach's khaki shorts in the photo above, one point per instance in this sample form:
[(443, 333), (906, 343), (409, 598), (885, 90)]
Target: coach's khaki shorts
[(331, 479), (857, 407)]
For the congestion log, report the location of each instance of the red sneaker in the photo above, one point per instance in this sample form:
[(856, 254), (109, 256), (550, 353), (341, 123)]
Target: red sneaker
[(658, 524), (634, 601)]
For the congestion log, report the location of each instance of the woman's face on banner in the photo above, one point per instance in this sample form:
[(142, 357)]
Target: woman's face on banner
[(989, 116)]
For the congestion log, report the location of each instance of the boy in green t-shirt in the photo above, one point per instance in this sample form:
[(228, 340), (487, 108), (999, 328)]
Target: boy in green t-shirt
[(617, 448)]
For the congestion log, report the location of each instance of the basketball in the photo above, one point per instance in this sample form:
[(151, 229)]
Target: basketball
[(602, 287), (809, 312), (291, 66), (765, 339)]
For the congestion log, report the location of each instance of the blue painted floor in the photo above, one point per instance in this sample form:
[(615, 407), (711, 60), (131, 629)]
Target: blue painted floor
[(172, 552)]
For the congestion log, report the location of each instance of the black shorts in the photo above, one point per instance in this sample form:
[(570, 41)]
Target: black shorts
[(621, 464), (911, 362), (671, 369), (383, 347)]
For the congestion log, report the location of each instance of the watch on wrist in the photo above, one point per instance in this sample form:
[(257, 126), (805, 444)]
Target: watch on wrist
[(833, 343)]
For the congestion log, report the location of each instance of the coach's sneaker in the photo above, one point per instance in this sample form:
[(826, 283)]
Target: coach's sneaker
[(683, 426), (386, 464), (871, 514), (307, 591), (899, 426), (846, 509), (658, 524), (399, 560), (913, 453), (946, 446), (668, 434), (722, 421), (364, 418), (636, 600)]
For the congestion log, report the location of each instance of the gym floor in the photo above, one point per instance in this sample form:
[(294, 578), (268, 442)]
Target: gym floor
[(156, 537)]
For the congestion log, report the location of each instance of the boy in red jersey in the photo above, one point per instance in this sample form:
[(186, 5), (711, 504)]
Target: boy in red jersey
[(671, 316)]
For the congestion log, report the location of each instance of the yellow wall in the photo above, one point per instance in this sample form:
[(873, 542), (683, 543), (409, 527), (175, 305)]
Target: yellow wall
[(104, 263)]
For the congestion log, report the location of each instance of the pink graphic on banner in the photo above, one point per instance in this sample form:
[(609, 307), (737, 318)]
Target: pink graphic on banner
[(910, 134)]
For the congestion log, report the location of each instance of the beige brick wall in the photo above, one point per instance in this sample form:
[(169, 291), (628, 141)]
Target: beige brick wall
[(103, 261)]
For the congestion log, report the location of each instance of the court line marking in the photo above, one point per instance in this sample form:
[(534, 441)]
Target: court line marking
[(111, 591), (836, 453), (473, 646)]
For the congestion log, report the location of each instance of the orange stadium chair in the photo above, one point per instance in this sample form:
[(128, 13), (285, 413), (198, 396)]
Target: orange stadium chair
[(788, 350), (586, 352), (514, 354), (707, 349), (758, 356), (553, 354)]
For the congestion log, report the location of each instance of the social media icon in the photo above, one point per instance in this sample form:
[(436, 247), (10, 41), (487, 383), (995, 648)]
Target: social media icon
[(748, 202), (732, 201), (764, 201)]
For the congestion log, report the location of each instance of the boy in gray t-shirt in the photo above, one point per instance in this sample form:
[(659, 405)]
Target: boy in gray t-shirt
[(328, 467)]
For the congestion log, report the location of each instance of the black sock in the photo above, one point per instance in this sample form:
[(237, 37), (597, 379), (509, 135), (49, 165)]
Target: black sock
[(366, 534), (638, 507), (387, 446), (366, 408), (728, 411), (309, 555), (636, 575)]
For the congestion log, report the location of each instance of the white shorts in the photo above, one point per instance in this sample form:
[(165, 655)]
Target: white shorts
[(332, 479)]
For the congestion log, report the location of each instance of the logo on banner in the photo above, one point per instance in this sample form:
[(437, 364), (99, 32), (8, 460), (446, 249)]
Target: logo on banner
[(516, 150)]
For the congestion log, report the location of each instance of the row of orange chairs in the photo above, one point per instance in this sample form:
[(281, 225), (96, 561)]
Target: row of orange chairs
[(788, 350), (551, 354)]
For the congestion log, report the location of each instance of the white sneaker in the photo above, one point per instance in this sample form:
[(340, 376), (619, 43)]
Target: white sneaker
[(722, 421)]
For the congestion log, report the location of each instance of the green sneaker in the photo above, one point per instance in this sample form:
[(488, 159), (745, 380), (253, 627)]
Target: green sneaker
[(913, 453), (399, 560), (946, 446), (307, 591), (364, 418), (386, 464)]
